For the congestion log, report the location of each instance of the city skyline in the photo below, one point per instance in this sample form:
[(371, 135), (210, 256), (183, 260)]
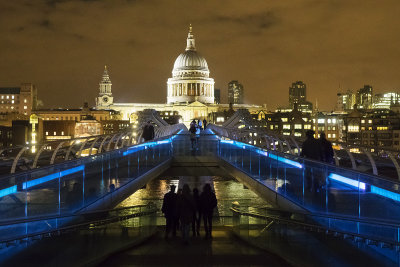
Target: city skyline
[(62, 47)]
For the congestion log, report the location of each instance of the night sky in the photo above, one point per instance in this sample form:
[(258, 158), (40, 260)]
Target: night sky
[(62, 47)]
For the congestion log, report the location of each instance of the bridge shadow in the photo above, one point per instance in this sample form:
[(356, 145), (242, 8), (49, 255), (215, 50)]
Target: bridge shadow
[(223, 250)]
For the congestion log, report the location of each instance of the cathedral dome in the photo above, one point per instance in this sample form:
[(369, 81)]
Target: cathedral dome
[(190, 80), (190, 60)]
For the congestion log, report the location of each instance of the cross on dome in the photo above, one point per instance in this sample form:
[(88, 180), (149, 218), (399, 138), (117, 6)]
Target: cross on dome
[(190, 40)]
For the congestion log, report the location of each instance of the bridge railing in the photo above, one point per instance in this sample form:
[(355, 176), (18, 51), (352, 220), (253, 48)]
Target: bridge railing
[(22, 158), (374, 160), (67, 187), (315, 186)]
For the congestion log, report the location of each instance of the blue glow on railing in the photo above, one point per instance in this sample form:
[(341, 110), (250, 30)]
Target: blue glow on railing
[(52, 176), (163, 142), (7, 191), (262, 152), (285, 160), (145, 145), (385, 193), (348, 181)]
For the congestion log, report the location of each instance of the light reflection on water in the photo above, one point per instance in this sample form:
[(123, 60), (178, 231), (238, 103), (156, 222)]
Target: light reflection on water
[(226, 189)]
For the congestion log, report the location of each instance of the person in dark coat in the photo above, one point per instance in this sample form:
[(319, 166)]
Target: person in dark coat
[(185, 209), (205, 124), (169, 210), (148, 132), (327, 150), (311, 149), (197, 213), (208, 201), (192, 131)]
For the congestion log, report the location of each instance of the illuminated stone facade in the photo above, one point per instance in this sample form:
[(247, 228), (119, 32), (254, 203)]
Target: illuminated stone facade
[(190, 91)]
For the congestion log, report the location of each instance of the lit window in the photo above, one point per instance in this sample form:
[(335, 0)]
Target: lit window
[(329, 120), (286, 126), (321, 120), (353, 128), (329, 136), (369, 121), (2, 97), (333, 120), (305, 119), (24, 100), (8, 97), (55, 133), (12, 107), (307, 126), (62, 132), (12, 97), (25, 107), (284, 119), (271, 127), (47, 133), (333, 135), (362, 121), (297, 134), (297, 126), (12, 101)]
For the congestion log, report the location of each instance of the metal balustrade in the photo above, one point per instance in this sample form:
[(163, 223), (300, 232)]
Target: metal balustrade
[(374, 160), (22, 158), (67, 187)]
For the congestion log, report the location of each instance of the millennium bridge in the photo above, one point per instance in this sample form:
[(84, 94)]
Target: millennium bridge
[(60, 204)]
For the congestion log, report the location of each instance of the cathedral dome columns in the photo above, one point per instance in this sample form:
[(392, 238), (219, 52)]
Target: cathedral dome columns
[(190, 80)]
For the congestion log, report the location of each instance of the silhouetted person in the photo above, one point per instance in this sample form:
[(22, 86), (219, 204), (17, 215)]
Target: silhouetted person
[(196, 213), (200, 124), (208, 202), (205, 124), (327, 150), (311, 149), (169, 210), (112, 187), (185, 209), (192, 131), (148, 131)]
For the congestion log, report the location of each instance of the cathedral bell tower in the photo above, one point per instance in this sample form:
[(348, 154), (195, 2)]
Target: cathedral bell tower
[(105, 97)]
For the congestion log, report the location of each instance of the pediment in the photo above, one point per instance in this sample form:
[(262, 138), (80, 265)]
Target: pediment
[(197, 104)]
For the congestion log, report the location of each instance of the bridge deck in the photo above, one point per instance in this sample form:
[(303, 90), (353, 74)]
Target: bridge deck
[(223, 250)]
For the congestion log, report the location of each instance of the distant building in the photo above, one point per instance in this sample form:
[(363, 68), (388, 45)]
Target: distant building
[(376, 128), (235, 92), (345, 101), (5, 136), (365, 97), (385, 100), (20, 100), (292, 122), (297, 94), (217, 96)]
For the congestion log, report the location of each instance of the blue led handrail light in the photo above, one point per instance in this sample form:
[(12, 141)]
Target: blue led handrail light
[(264, 153), (25, 185), (333, 176), (139, 147)]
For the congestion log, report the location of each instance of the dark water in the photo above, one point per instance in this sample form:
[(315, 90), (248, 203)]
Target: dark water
[(226, 189)]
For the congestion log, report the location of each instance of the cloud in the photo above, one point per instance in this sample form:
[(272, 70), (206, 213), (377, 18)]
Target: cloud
[(62, 46)]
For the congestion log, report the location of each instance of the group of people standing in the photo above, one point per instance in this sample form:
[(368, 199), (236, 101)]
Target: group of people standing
[(317, 149), (183, 211), (195, 130)]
